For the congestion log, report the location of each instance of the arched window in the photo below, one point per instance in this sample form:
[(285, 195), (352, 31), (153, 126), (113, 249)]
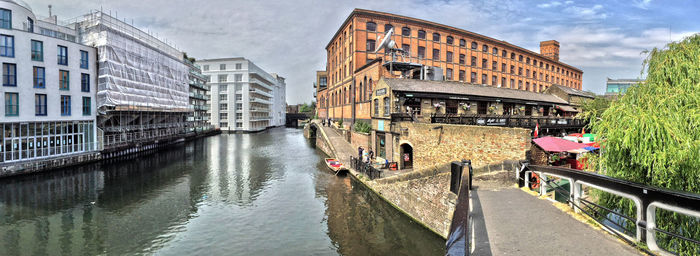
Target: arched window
[(387, 27), (485, 48), (450, 39), (474, 45), (504, 53), (436, 37), (405, 31), (365, 88), (362, 91), (421, 34), (495, 51), (371, 26), (370, 85), (376, 107), (527, 60)]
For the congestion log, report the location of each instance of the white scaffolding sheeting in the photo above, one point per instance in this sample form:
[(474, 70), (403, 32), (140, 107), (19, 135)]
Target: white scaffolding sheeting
[(136, 71)]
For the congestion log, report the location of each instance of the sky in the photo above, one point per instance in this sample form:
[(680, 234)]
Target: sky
[(602, 38)]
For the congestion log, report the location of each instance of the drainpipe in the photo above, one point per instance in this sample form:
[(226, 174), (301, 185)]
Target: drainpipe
[(353, 95)]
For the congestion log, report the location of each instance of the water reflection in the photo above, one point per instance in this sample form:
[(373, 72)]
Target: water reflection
[(252, 194)]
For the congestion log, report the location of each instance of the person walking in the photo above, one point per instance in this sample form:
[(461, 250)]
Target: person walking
[(370, 155), (359, 152)]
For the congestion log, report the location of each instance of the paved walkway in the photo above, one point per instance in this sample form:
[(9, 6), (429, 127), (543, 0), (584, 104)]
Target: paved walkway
[(511, 222)]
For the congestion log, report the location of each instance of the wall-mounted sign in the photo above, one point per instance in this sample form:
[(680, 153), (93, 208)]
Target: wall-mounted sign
[(380, 125), (381, 92), (458, 98)]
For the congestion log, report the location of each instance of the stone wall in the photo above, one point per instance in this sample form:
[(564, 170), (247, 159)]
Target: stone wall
[(359, 139), (322, 142), (434, 146)]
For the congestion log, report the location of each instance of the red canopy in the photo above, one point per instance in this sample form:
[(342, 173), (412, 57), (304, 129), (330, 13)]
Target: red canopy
[(552, 144)]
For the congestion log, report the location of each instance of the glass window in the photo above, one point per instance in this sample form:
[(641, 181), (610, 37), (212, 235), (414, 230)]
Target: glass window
[(239, 66), (421, 52), (462, 75), (37, 50), (39, 77), (83, 59), (222, 66), (5, 18), (462, 42), (405, 31), (205, 68), (237, 77), (223, 78), (405, 47), (484, 63), (7, 46), (494, 65), (472, 79), (87, 106), (461, 59), (421, 34), (485, 48), (371, 26), (450, 40), (449, 57), (484, 77), (386, 106), (387, 27), (63, 80), (65, 105), (473, 61), (474, 45), (85, 82), (30, 22), (495, 51), (370, 45), (62, 55), (9, 74), (11, 104), (376, 107), (448, 74), (436, 54), (40, 104)]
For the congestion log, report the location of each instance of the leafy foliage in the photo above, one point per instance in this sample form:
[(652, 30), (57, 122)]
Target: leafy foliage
[(594, 109), (362, 127), (652, 134)]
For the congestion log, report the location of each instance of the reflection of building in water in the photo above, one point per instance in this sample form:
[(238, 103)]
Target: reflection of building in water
[(366, 226), (136, 202)]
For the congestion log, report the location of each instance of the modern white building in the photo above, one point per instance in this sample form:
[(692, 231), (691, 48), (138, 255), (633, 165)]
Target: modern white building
[(244, 97), (48, 88)]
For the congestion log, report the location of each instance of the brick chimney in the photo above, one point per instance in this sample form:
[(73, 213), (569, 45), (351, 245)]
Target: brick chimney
[(550, 49)]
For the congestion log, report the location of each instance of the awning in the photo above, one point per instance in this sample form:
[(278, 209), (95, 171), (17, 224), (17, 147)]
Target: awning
[(552, 144), (579, 151), (567, 108)]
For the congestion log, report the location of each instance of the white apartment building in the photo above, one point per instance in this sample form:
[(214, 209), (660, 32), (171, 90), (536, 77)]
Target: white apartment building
[(243, 96), (48, 88)]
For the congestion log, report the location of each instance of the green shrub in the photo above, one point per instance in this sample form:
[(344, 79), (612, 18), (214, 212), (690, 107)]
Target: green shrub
[(363, 127)]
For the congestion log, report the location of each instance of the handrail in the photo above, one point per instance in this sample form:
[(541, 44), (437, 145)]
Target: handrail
[(508, 120), (461, 229)]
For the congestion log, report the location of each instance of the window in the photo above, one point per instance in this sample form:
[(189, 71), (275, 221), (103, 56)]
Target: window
[(9, 74), (239, 66), (473, 78), (40, 104), (436, 37), (504, 53), (370, 45), (239, 116), (205, 68), (376, 107), (405, 31), (387, 27), (503, 81), (503, 67), (421, 52), (222, 66), (547, 66), (448, 74), (462, 42), (520, 71), (461, 59), (495, 51), (474, 45), (449, 57), (534, 62), (527, 60), (238, 77), (239, 106), (223, 115), (534, 74), (37, 50), (7, 46), (239, 97), (65, 105), (520, 84), (386, 106), (484, 63), (85, 82), (87, 106), (473, 64), (239, 125), (421, 34), (512, 83), (371, 26), (462, 75), (493, 80), (222, 78), (39, 77), (11, 104), (450, 40), (63, 80), (484, 79), (223, 87), (223, 106), (62, 55), (527, 86), (5, 18), (485, 48), (494, 65), (83, 59), (406, 48), (512, 69)]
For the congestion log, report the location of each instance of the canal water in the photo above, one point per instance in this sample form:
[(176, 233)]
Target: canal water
[(244, 194)]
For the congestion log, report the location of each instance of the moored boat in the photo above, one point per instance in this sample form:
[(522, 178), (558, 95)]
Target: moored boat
[(335, 166)]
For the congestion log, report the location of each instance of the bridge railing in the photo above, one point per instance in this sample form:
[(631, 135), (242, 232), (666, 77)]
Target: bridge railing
[(646, 199), (509, 120), (459, 240), (366, 168)]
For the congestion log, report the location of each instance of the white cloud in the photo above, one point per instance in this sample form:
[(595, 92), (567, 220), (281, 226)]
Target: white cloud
[(550, 4), (642, 4)]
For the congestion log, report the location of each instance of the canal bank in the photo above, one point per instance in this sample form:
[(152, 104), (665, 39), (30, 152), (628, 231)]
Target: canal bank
[(423, 195)]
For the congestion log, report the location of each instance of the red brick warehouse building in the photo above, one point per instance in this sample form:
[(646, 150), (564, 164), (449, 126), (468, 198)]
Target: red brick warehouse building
[(353, 68)]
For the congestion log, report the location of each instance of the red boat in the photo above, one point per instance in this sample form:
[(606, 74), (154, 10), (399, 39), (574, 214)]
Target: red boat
[(335, 166)]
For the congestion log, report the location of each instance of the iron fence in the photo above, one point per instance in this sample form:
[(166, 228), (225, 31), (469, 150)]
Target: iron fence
[(365, 168), (508, 120)]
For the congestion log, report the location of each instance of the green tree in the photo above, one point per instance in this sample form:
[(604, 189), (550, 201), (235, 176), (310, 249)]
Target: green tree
[(593, 109), (652, 135)]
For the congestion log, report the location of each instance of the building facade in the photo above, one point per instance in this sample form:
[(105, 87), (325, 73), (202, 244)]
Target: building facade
[(244, 97), (460, 55), (143, 91), (618, 87), (320, 87), (198, 119), (48, 88)]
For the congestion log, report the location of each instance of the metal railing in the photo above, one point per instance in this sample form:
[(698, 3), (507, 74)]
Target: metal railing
[(365, 168), (646, 199), (459, 240), (507, 120)]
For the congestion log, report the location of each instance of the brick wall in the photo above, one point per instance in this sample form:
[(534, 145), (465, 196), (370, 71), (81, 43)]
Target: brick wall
[(359, 139), (483, 145)]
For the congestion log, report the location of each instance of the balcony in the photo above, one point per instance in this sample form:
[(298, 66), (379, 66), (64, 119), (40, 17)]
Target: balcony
[(255, 109), (201, 107), (502, 120), (260, 92), (261, 101), (260, 118), (199, 96)]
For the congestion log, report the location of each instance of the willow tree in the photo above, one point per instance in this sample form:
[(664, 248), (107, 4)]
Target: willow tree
[(651, 135)]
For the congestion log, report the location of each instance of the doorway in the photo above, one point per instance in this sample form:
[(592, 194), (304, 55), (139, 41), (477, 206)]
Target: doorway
[(406, 156)]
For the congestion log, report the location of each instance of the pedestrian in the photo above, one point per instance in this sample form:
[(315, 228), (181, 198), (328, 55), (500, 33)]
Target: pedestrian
[(365, 156), (370, 155), (359, 151)]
